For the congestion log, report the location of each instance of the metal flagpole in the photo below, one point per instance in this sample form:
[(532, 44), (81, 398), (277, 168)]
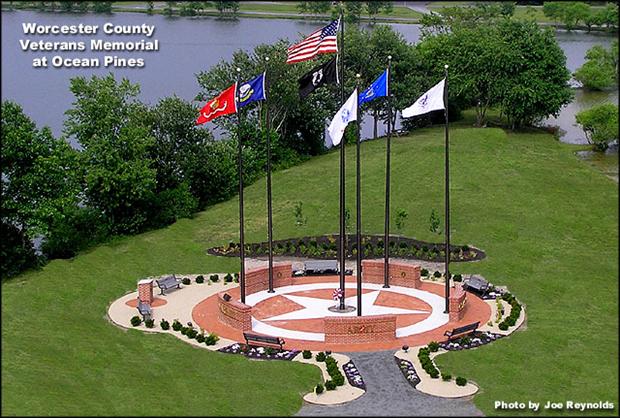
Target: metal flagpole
[(358, 203), (447, 154), (269, 212), (343, 248), (241, 238), (386, 237)]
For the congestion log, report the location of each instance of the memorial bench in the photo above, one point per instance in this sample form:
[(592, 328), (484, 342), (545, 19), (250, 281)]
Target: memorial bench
[(168, 283), (460, 331), (264, 340), (145, 310), (476, 284), (321, 267)]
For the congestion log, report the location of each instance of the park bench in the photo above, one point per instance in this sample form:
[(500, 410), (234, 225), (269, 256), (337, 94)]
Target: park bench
[(265, 340), (460, 331), (476, 284), (145, 310), (168, 283)]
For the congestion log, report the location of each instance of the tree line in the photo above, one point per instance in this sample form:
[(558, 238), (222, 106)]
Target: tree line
[(140, 166)]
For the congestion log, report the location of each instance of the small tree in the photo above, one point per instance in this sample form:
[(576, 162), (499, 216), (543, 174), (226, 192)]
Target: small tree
[(299, 214), (600, 123), (401, 217), (600, 69), (435, 223)]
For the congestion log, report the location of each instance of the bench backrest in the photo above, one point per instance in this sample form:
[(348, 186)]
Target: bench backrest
[(167, 280), (477, 283), (465, 328), (144, 307), (262, 338), (321, 265)]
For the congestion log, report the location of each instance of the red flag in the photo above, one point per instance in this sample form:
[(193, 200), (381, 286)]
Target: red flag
[(224, 104)]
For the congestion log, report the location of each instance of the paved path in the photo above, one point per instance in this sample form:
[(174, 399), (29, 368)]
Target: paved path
[(388, 394)]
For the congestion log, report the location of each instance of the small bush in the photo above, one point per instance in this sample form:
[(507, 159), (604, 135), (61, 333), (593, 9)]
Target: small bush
[(338, 379), (457, 278), (149, 323), (465, 340), (186, 281), (211, 339), (424, 272), (433, 346), (330, 385), (165, 325), (176, 325), (135, 321), (461, 381), (200, 279), (228, 278), (270, 351), (446, 376), (191, 333), (307, 354), (184, 330), (437, 274), (214, 278), (503, 326), (200, 338), (320, 356), (318, 389)]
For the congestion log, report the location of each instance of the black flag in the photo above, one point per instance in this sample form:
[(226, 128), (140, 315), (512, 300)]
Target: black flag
[(317, 77)]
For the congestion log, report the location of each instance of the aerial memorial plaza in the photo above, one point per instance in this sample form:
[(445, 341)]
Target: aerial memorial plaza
[(309, 208)]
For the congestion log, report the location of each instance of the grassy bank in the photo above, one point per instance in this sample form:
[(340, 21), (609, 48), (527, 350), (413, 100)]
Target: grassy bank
[(548, 223)]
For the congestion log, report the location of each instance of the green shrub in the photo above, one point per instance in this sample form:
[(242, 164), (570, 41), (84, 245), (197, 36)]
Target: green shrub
[(338, 379), (330, 385), (200, 338), (211, 339), (228, 278), (176, 325), (214, 277), (461, 381), (307, 354), (503, 326), (186, 281), (135, 321), (270, 351), (436, 273), (320, 356), (446, 376), (184, 330), (318, 389), (424, 272), (149, 323), (434, 373), (433, 346), (457, 278), (191, 333), (165, 325), (465, 340), (200, 279)]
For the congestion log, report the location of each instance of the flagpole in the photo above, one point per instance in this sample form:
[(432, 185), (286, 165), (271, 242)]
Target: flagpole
[(447, 194), (241, 238), (343, 248), (358, 204), (269, 208), (386, 238)]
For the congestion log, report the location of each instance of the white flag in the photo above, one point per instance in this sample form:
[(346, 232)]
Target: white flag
[(429, 101), (346, 114)]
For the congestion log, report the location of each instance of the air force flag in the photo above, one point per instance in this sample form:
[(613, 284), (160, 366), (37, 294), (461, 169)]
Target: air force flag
[(378, 88), (252, 91), (346, 114), (429, 101)]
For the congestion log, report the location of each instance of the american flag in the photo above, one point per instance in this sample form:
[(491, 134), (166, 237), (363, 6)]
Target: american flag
[(322, 41)]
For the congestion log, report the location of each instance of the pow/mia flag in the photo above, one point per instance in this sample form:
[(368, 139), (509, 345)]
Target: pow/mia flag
[(317, 77)]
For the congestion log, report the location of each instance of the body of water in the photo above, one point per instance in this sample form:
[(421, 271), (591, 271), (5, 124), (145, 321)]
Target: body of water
[(188, 46)]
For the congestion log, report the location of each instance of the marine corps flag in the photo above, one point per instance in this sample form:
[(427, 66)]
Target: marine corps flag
[(317, 77), (223, 104)]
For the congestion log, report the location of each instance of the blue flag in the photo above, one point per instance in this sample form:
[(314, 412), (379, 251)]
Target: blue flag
[(252, 91), (378, 88)]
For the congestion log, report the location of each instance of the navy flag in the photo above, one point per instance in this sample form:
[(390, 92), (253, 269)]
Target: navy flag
[(251, 91), (317, 77), (378, 88)]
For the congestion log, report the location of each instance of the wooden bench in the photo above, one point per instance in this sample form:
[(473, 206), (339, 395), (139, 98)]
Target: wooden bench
[(168, 283), (145, 310), (476, 284), (265, 340), (460, 331)]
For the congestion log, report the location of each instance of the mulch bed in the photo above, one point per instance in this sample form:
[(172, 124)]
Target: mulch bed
[(326, 247), (259, 353), (353, 375), (406, 367), (478, 339)]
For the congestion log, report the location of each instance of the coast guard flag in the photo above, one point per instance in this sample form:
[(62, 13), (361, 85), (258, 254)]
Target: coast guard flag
[(322, 41), (378, 88), (223, 104), (346, 114), (429, 101), (252, 91)]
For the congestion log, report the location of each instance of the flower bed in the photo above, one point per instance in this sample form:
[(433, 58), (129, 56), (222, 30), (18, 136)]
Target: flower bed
[(464, 343), (406, 367), (353, 375), (325, 247), (261, 353)]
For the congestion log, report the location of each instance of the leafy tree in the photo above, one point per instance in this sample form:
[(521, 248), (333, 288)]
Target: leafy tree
[(150, 7), (600, 69), (314, 7), (609, 15), (553, 10), (227, 8), (353, 10), (574, 12), (169, 9), (109, 122), (102, 6), (600, 123)]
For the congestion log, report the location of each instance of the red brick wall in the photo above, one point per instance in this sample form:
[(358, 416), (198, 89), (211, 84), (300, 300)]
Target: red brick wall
[(401, 274), (257, 279), (234, 313), (458, 302), (359, 329), (145, 291)]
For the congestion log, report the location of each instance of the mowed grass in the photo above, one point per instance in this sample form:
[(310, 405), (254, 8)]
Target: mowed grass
[(548, 223)]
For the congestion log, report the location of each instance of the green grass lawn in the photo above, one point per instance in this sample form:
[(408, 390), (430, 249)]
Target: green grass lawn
[(548, 224)]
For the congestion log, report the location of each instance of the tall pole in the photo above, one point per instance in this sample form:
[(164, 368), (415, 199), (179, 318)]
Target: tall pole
[(269, 212), (343, 249), (358, 204), (386, 237), (447, 154), (241, 238)]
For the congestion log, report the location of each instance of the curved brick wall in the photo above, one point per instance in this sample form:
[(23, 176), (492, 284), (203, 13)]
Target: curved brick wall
[(359, 329), (401, 274), (257, 279), (234, 313)]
